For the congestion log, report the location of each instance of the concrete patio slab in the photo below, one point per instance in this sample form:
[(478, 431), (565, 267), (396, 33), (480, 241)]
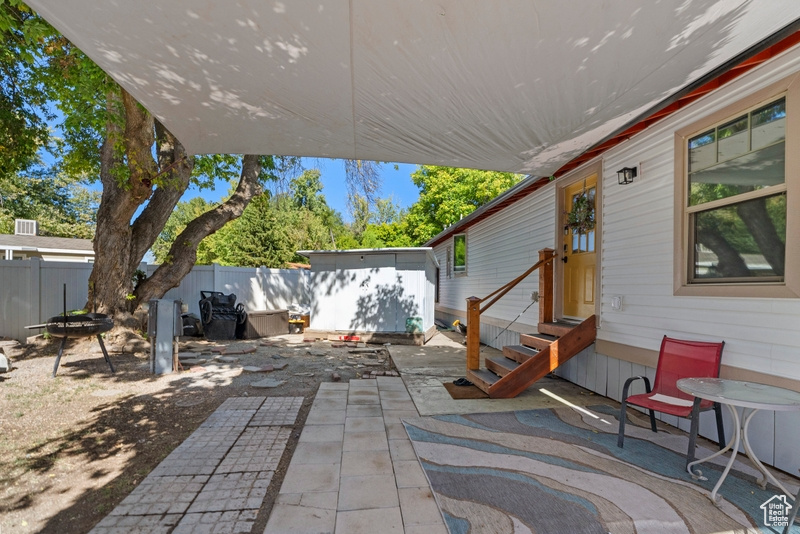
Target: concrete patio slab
[(359, 463), (367, 491), (366, 521)]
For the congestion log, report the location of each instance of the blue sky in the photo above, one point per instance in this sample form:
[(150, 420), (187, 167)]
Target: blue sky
[(396, 183)]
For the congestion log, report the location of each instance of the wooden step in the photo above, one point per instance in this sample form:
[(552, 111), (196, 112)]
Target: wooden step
[(526, 374), (482, 378), (518, 353), (557, 328), (536, 341), (500, 366)]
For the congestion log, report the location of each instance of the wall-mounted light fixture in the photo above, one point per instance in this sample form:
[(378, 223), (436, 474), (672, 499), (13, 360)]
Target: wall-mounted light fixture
[(626, 175)]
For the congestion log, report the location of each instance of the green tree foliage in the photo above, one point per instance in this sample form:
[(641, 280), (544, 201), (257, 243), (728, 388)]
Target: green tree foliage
[(63, 209), (261, 236), (446, 195), (184, 213), (272, 229), (306, 191), (386, 211), (23, 109)]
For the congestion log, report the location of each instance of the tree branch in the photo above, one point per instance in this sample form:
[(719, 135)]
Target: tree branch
[(183, 253), (172, 185)]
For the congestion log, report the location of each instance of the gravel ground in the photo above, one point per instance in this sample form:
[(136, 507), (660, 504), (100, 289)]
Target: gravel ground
[(71, 448)]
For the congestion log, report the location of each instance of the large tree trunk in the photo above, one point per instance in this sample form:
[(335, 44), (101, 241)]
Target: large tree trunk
[(121, 241), (119, 244), (110, 282)]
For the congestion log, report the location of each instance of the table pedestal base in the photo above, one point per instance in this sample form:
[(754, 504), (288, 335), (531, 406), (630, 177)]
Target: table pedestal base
[(739, 433)]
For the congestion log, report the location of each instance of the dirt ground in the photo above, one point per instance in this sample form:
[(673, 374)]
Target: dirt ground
[(72, 447)]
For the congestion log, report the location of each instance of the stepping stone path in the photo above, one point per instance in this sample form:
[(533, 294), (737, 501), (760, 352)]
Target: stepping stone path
[(268, 383), (248, 350), (254, 369), (364, 351)]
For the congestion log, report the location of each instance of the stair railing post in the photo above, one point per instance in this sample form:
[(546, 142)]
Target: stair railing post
[(473, 333), (546, 286)]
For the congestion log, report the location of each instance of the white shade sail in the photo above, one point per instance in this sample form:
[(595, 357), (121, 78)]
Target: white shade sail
[(508, 85)]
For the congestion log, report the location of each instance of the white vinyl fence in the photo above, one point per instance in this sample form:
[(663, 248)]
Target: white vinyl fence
[(32, 291)]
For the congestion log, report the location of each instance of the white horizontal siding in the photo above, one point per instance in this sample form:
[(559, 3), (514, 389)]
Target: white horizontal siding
[(499, 249), (637, 250)]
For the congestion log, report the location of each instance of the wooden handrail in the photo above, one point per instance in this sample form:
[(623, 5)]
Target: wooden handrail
[(474, 310), (513, 283)]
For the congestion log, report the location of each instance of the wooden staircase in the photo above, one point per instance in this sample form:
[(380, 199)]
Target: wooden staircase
[(537, 355)]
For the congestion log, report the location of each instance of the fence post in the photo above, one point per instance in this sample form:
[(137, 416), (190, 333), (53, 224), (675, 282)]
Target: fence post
[(473, 333), (214, 277), (35, 280), (546, 286)]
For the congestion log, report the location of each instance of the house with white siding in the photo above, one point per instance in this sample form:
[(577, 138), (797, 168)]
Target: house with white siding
[(702, 244), (26, 243)]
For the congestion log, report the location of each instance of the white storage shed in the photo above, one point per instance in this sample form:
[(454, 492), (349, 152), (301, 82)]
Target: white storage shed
[(375, 294)]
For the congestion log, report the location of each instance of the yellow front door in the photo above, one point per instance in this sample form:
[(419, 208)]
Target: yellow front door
[(580, 262)]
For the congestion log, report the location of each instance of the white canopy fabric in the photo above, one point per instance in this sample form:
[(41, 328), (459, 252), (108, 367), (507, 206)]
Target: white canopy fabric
[(507, 85)]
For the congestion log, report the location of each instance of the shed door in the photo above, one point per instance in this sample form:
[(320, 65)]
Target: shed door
[(580, 261)]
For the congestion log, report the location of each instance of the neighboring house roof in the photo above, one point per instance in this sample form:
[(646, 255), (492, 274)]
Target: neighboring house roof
[(766, 50), (46, 244)]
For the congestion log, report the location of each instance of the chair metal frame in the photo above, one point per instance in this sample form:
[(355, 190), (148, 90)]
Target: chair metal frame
[(710, 369)]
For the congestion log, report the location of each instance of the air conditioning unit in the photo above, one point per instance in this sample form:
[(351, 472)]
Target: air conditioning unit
[(26, 227)]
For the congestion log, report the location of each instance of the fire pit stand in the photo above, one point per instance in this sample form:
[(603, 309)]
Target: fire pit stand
[(87, 325), (77, 326)]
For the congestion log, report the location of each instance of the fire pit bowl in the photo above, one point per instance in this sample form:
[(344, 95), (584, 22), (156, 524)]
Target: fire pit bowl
[(74, 326)]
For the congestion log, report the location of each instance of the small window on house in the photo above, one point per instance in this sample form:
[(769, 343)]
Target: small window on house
[(736, 198), (460, 253)]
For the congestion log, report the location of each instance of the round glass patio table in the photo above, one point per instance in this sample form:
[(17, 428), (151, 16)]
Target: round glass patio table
[(751, 397)]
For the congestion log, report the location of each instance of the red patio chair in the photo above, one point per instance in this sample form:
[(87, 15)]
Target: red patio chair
[(677, 359)]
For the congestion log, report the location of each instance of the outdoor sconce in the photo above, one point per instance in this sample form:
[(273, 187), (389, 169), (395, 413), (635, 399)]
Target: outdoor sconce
[(626, 175)]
